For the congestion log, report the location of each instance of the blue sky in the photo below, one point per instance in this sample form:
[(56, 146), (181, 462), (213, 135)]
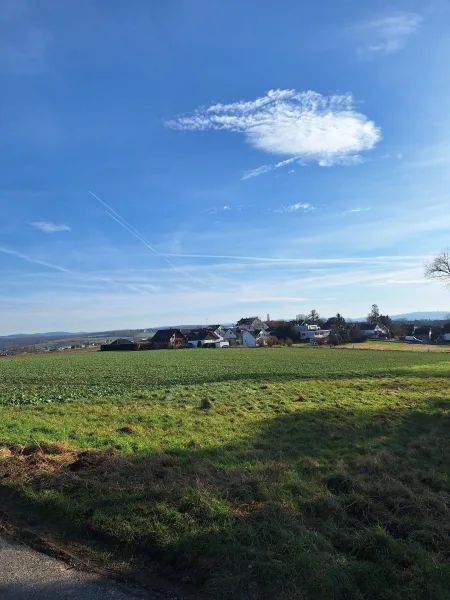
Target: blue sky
[(251, 158)]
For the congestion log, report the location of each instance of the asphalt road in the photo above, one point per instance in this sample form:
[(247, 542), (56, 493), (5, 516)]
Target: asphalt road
[(26, 574)]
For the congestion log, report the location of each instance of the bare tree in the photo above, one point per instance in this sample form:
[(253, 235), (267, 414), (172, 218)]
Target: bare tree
[(439, 267), (374, 315)]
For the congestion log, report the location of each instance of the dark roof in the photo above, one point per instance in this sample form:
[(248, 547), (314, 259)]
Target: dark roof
[(367, 326), (247, 321), (273, 324), (164, 335), (422, 330), (202, 334), (121, 342)]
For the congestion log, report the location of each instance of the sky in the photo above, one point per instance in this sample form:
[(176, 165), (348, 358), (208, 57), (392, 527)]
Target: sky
[(177, 162)]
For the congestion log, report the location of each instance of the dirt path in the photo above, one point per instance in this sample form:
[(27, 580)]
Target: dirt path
[(26, 574)]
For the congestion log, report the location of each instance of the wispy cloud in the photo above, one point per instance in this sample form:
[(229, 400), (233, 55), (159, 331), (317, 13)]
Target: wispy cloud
[(356, 210), (214, 210), (401, 282), (267, 168), (387, 34), (304, 126), (49, 227), (291, 208)]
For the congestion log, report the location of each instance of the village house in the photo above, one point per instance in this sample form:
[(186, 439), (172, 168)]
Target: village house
[(231, 334), (374, 330), (248, 338), (251, 324), (118, 345), (422, 333), (446, 333), (201, 337), (251, 339), (311, 333), (168, 338)]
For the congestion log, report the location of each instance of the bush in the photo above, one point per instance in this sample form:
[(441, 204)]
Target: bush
[(289, 342)]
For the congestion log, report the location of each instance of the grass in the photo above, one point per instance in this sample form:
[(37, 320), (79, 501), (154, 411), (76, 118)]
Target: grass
[(404, 346), (240, 474)]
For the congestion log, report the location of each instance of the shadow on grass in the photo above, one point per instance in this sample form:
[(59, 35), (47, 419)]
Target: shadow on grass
[(85, 590), (319, 504)]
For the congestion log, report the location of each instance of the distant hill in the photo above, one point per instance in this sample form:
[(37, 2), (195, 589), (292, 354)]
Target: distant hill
[(438, 315), (51, 334), (53, 339)]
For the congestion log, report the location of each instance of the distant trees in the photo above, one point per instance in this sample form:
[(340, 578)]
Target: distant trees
[(313, 318), (342, 332), (374, 315), (439, 268), (285, 332)]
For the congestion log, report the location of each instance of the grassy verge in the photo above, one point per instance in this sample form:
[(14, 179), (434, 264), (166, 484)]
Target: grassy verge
[(310, 474), (403, 346)]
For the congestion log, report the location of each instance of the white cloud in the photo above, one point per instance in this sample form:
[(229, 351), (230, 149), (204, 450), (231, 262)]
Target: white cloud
[(387, 34), (304, 126), (356, 210), (299, 206), (294, 208), (267, 168), (49, 227), (214, 210), (258, 171)]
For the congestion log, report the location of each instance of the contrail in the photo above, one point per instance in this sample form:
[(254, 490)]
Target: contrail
[(128, 227), (34, 261), (75, 274)]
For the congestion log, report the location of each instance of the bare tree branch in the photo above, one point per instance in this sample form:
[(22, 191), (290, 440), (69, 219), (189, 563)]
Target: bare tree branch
[(439, 267)]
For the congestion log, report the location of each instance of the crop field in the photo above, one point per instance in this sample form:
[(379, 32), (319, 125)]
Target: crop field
[(287, 473)]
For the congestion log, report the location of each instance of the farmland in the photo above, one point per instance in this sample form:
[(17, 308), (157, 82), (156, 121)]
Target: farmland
[(245, 474)]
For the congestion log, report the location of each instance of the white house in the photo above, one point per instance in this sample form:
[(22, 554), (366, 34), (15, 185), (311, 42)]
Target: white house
[(248, 339), (446, 337), (311, 332), (374, 330), (229, 335)]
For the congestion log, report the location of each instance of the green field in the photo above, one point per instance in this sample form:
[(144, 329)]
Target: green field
[(287, 473)]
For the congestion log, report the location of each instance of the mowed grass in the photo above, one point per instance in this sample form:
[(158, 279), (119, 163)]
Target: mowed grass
[(241, 474)]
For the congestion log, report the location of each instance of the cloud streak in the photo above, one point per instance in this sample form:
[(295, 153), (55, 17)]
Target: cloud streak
[(305, 126), (356, 210), (267, 168), (123, 223), (387, 34), (49, 227), (304, 206)]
